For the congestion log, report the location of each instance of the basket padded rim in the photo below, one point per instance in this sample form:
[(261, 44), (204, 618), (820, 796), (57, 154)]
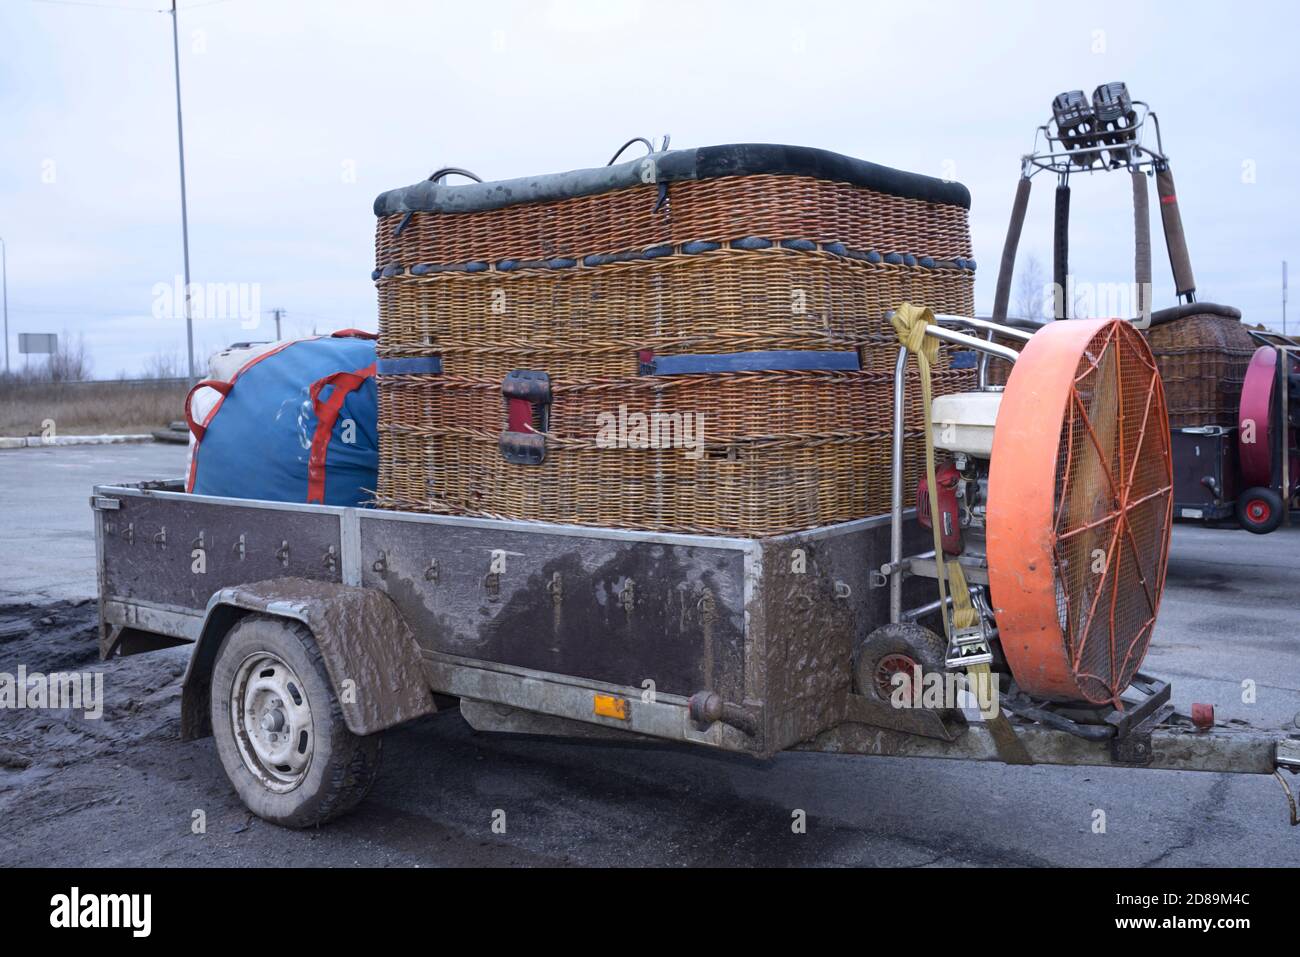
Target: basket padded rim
[(1189, 309), (707, 162)]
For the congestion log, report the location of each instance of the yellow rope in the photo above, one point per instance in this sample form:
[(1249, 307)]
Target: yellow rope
[(910, 322)]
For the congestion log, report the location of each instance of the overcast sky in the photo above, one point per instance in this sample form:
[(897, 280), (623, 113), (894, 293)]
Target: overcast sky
[(297, 114)]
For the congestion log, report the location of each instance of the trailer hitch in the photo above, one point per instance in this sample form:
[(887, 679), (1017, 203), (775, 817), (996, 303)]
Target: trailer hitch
[(1290, 797), (1133, 726), (1128, 731), (1288, 757)]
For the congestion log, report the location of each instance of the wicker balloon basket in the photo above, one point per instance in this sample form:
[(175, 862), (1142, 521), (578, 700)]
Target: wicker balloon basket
[(1202, 351), (693, 342)]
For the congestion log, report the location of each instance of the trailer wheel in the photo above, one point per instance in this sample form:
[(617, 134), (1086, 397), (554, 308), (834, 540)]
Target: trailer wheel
[(279, 730), (894, 649), (1259, 510)]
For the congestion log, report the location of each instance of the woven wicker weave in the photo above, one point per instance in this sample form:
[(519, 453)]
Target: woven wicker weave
[(999, 371), (581, 324), (785, 207), (1203, 360), (773, 451), (781, 451)]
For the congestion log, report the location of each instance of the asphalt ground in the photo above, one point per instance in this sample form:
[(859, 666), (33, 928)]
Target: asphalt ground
[(125, 790)]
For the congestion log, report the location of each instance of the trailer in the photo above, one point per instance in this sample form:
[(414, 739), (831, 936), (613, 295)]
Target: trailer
[(313, 629)]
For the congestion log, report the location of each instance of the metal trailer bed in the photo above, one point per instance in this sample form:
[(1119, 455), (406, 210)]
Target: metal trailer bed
[(732, 643)]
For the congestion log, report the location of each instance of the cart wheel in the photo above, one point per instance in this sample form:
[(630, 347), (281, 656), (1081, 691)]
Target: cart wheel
[(895, 649), (279, 729), (1259, 510)]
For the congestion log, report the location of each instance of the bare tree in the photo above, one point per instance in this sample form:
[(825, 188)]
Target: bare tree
[(69, 362), (1031, 290), (165, 365)]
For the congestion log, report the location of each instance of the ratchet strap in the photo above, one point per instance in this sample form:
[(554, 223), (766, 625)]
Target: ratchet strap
[(910, 323)]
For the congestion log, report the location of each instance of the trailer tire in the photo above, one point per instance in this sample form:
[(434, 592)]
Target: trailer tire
[(1259, 510), (893, 648), (290, 756)]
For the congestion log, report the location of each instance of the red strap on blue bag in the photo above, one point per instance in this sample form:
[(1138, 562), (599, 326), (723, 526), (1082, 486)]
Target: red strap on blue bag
[(200, 429), (327, 414)]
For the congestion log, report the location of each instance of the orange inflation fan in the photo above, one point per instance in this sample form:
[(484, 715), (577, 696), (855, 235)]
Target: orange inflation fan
[(1080, 507)]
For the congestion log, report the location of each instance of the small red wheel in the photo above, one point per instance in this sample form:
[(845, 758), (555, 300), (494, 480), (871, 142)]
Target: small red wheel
[(891, 665), (1259, 510), (893, 649)]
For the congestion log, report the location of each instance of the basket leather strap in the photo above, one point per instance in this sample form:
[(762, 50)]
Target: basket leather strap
[(1180, 261), (1007, 267), (1142, 248), (910, 324), (1061, 253), (788, 360)]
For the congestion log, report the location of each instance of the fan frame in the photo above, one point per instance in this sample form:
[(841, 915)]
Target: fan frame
[(1022, 532)]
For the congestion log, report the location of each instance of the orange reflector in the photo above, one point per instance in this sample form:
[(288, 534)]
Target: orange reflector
[(607, 706)]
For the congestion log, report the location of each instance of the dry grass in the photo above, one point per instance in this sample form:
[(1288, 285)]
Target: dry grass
[(93, 408)]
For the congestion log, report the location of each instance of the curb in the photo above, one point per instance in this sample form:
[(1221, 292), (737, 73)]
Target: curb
[(38, 442)]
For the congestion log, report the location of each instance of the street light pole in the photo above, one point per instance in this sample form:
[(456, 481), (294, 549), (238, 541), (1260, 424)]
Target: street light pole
[(185, 220), (4, 280)]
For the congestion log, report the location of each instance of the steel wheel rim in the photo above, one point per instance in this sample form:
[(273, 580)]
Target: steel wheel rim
[(887, 667), (272, 722)]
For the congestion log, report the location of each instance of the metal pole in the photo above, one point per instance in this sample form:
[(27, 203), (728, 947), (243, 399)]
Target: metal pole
[(982, 380), (895, 566), (979, 345), (1283, 297), (4, 279), (1284, 373), (1010, 332), (185, 219)]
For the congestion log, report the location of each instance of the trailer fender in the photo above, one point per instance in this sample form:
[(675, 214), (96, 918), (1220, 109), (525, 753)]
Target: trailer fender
[(373, 661)]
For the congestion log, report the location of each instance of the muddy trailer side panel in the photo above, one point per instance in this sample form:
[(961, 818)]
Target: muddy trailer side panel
[(614, 610), (529, 623), (767, 625), (174, 552)]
